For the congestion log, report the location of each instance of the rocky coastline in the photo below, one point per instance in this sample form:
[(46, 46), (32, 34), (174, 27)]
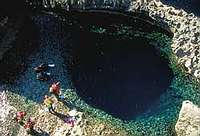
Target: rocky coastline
[(185, 45)]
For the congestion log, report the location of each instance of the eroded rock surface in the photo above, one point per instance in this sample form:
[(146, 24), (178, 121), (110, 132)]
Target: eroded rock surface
[(6, 110), (188, 123), (186, 29), (48, 124), (53, 124)]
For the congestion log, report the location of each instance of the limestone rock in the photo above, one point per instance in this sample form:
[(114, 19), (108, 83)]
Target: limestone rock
[(5, 111), (188, 123), (197, 73), (54, 124), (188, 63)]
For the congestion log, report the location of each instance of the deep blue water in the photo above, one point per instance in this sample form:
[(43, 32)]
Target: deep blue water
[(122, 77), (48, 49)]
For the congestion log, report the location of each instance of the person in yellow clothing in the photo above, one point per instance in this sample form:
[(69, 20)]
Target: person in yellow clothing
[(49, 103)]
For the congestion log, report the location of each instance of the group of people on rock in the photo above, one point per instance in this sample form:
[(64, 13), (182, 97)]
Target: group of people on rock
[(28, 125), (55, 90)]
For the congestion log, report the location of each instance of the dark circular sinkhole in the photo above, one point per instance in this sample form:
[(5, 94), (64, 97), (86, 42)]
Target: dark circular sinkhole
[(120, 76)]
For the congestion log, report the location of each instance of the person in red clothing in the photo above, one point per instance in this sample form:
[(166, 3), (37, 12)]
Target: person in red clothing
[(48, 101), (20, 117), (29, 126), (55, 89)]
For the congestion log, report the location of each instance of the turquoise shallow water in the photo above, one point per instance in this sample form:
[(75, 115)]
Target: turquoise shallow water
[(163, 116), (160, 118)]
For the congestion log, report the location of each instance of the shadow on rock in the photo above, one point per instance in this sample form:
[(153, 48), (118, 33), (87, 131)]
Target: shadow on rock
[(60, 115), (39, 133)]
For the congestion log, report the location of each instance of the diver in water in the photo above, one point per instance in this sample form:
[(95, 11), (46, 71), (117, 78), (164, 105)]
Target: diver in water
[(43, 76), (43, 67), (41, 71)]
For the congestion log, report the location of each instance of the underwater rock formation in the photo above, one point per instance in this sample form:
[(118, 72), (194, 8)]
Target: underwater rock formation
[(188, 123), (7, 34)]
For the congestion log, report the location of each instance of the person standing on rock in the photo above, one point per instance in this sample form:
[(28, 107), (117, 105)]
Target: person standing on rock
[(49, 103), (55, 90)]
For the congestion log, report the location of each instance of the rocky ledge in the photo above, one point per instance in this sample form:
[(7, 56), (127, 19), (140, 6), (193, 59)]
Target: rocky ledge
[(188, 123), (53, 124), (186, 29), (185, 45)]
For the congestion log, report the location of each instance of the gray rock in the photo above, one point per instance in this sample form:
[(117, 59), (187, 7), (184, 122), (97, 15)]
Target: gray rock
[(188, 63), (197, 73), (194, 40), (188, 123), (180, 53)]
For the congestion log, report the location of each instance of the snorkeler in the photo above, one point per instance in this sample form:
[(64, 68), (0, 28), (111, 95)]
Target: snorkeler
[(43, 67), (43, 76)]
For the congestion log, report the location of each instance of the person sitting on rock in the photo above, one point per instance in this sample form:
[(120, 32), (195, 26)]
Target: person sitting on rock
[(20, 117), (29, 126), (70, 120), (49, 103)]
